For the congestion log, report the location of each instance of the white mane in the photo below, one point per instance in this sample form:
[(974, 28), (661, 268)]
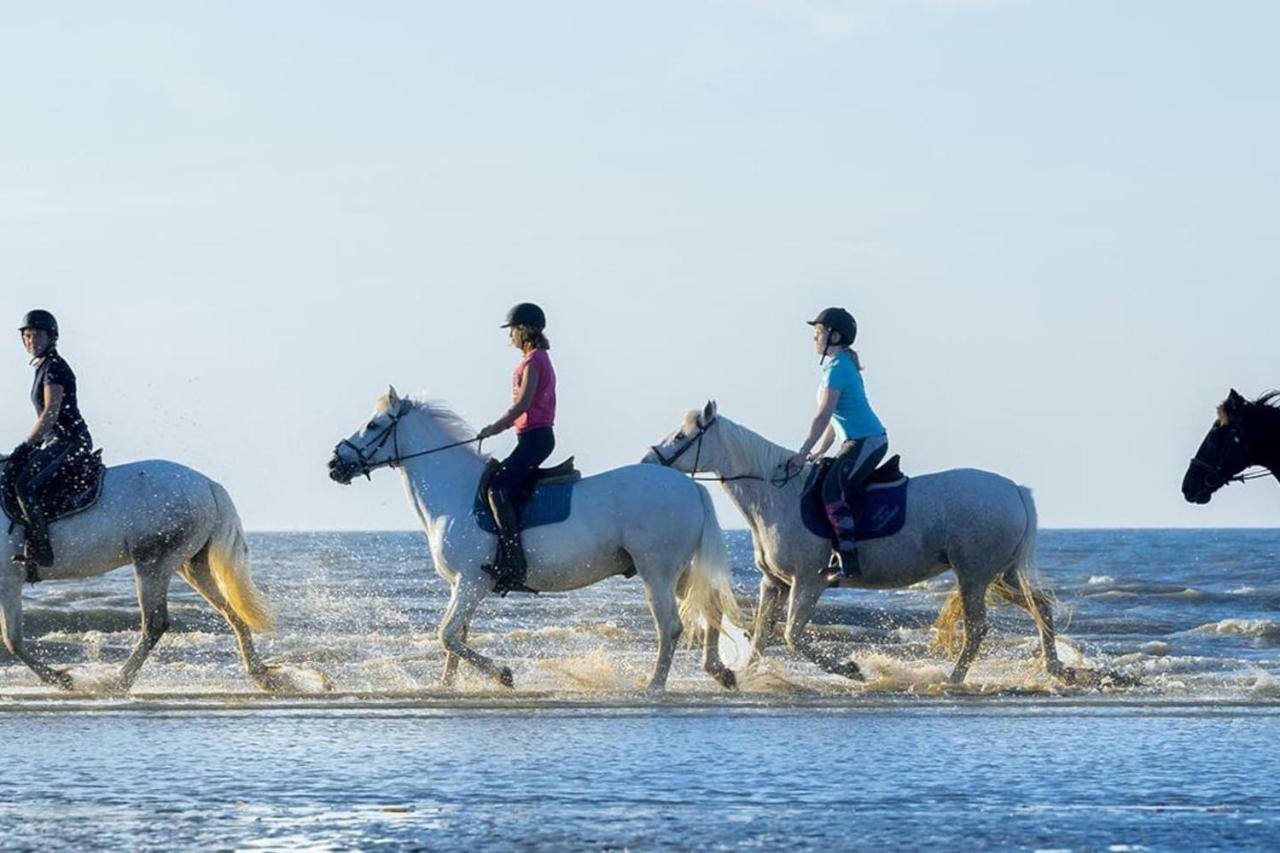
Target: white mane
[(747, 451), (455, 426)]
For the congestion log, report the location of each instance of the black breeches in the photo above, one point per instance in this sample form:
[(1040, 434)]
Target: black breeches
[(515, 475)]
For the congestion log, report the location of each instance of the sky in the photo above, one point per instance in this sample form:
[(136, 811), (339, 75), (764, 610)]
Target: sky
[(1056, 223)]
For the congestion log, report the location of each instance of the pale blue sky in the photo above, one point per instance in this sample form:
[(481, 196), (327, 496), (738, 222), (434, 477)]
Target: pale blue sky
[(1056, 222)]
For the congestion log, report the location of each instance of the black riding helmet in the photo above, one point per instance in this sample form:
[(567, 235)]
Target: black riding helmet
[(40, 319), (837, 320), (526, 314)]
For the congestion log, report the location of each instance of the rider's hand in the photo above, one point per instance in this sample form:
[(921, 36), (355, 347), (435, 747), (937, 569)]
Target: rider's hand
[(796, 462), (488, 431)]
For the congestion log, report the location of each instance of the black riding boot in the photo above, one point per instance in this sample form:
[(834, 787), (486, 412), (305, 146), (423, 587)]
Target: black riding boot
[(510, 566), (39, 553)]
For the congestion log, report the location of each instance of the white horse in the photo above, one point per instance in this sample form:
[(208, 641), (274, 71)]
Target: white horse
[(980, 525), (163, 518), (639, 518)]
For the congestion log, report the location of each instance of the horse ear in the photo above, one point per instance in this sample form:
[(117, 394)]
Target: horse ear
[(709, 411), (1234, 400), (392, 396)]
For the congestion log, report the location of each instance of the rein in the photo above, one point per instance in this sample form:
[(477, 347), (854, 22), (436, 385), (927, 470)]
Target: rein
[(364, 458), (667, 462)]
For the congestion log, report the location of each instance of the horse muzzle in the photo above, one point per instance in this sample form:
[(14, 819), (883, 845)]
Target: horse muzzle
[(341, 471)]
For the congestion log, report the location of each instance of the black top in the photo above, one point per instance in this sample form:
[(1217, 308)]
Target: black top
[(53, 370)]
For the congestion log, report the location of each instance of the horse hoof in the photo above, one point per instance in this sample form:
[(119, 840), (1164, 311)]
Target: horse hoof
[(727, 679), (63, 681), (505, 678), (852, 671)]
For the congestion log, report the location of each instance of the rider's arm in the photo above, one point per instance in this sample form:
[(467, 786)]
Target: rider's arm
[(48, 417), (824, 443), (822, 420), (524, 399)]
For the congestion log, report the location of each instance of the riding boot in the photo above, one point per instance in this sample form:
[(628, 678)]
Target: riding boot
[(510, 566), (39, 551)]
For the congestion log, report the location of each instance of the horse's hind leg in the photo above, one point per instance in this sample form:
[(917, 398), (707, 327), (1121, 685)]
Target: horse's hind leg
[(800, 605), (661, 593), (152, 581), (11, 625), (973, 599), (199, 574), (771, 593), (1015, 590)]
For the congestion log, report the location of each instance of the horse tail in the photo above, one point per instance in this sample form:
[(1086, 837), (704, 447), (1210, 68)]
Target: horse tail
[(229, 560), (1023, 565), (706, 592)]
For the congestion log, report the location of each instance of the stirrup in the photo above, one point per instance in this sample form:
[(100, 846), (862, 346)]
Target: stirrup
[(844, 565), (31, 566), (506, 581)]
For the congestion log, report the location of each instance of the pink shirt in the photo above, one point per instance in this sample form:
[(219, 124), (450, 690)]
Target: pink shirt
[(542, 411)]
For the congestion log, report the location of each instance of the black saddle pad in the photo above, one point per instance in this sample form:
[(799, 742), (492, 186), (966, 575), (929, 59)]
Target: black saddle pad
[(75, 489), (549, 501), (879, 511)]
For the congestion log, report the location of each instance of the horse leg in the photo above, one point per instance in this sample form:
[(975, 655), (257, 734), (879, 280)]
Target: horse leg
[(973, 601), (152, 582), (771, 593), (467, 594), (1017, 591), (11, 625), (451, 661), (199, 575), (805, 593), (666, 617)]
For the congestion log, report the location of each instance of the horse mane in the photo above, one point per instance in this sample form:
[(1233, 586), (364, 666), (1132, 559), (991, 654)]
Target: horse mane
[(455, 426), (749, 448)]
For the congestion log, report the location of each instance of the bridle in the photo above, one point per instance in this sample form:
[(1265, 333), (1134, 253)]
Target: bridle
[(695, 442), (1215, 478), (364, 455)]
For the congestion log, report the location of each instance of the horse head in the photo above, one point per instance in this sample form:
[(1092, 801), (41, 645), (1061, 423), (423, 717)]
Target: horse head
[(682, 449), (374, 444), (1231, 445)]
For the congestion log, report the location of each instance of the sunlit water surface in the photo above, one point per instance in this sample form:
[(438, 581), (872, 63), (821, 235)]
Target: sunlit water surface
[(576, 756)]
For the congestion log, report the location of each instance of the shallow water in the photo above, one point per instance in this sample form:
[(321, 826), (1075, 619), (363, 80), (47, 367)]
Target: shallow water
[(577, 756)]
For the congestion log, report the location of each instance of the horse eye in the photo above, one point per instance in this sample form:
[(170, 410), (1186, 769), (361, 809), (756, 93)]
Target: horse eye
[(371, 425), (679, 436)]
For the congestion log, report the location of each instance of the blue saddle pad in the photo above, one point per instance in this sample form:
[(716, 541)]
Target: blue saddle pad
[(549, 504), (882, 513)]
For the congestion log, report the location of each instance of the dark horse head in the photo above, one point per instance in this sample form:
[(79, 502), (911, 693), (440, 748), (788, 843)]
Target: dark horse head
[(1244, 434)]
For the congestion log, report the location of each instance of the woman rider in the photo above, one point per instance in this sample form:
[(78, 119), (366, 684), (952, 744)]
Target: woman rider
[(532, 413), (843, 413), (59, 433)]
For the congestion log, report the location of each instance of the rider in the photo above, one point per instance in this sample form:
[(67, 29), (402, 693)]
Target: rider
[(532, 413), (844, 413), (59, 434)]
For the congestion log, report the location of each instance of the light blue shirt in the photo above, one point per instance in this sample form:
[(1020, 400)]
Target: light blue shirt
[(853, 417)]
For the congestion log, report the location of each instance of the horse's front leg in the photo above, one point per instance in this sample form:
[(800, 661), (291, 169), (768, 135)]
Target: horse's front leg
[(152, 582), (771, 593), (805, 593), (468, 592), (11, 626)]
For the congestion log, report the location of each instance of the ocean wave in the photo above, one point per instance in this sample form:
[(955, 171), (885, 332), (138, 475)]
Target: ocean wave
[(1260, 628)]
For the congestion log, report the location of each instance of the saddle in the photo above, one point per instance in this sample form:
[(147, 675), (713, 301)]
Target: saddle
[(75, 489), (547, 500), (879, 507)]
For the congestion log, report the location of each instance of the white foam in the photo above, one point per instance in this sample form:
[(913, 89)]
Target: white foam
[(1097, 580), (1241, 627)]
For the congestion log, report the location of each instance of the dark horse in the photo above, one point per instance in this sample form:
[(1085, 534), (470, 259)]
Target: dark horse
[(1244, 435)]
